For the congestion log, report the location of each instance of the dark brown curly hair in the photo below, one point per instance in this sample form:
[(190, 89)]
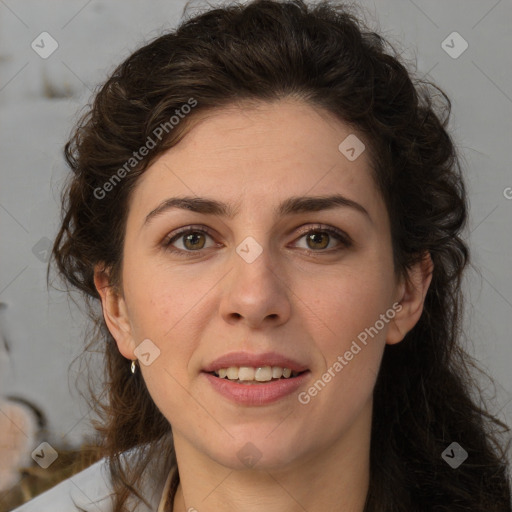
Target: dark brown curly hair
[(426, 395)]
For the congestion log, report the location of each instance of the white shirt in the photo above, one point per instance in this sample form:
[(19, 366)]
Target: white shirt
[(91, 490)]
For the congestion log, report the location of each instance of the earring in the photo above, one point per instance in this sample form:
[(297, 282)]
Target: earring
[(133, 366)]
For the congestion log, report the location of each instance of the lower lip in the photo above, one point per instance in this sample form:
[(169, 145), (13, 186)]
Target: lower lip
[(257, 394)]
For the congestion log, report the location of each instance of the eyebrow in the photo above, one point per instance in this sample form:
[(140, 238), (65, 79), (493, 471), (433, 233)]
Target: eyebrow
[(292, 205)]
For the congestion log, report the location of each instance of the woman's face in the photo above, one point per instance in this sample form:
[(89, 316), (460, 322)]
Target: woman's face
[(257, 282)]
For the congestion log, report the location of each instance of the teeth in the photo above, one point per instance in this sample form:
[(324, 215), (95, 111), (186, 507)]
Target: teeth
[(277, 371), (232, 373), (246, 373), (263, 374), (260, 374)]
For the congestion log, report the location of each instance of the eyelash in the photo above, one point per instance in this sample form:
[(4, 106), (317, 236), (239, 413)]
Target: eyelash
[(342, 237)]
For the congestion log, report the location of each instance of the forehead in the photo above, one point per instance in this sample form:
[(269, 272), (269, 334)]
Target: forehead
[(259, 154)]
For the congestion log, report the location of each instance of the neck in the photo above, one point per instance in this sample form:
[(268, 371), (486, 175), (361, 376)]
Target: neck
[(333, 477)]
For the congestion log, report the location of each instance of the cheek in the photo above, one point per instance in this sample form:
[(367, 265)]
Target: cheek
[(351, 339), (158, 295), (350, 334), (350, 346), (161, 305), (348, 331), (346, 302)]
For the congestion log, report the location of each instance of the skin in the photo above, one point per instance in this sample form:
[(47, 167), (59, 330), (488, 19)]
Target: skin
[(313, 456)]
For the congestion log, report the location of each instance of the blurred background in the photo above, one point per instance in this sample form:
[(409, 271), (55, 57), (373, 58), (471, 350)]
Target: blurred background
[(53, 54)]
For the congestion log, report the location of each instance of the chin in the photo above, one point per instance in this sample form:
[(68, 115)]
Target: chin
[(258, 452)]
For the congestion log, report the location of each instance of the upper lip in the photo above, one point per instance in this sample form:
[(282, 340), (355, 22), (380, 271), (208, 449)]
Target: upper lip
[(255, 361)]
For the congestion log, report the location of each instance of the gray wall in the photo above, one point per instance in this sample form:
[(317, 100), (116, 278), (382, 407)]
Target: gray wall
[(39, 101)]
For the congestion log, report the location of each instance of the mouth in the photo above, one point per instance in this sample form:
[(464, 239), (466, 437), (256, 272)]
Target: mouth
[(255, 375), (245, 385), (251, 379)]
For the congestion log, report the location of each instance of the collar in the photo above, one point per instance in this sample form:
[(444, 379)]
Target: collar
[(91, 491), (165, 493), (155, 485)]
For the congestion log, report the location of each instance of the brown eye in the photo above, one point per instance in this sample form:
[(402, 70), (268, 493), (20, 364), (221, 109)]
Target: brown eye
[(190, 241), (315, 240), (318, 240)]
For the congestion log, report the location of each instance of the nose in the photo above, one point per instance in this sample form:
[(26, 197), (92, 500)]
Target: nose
[(256, 292)]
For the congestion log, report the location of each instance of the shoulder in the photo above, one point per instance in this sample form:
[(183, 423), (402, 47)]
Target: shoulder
[(91, 490), (87, 490)]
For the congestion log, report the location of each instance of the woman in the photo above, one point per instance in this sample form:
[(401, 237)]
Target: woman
[(269, 209)]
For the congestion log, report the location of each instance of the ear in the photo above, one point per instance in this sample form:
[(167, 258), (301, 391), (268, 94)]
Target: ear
[(115, 312), (411, 296)]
